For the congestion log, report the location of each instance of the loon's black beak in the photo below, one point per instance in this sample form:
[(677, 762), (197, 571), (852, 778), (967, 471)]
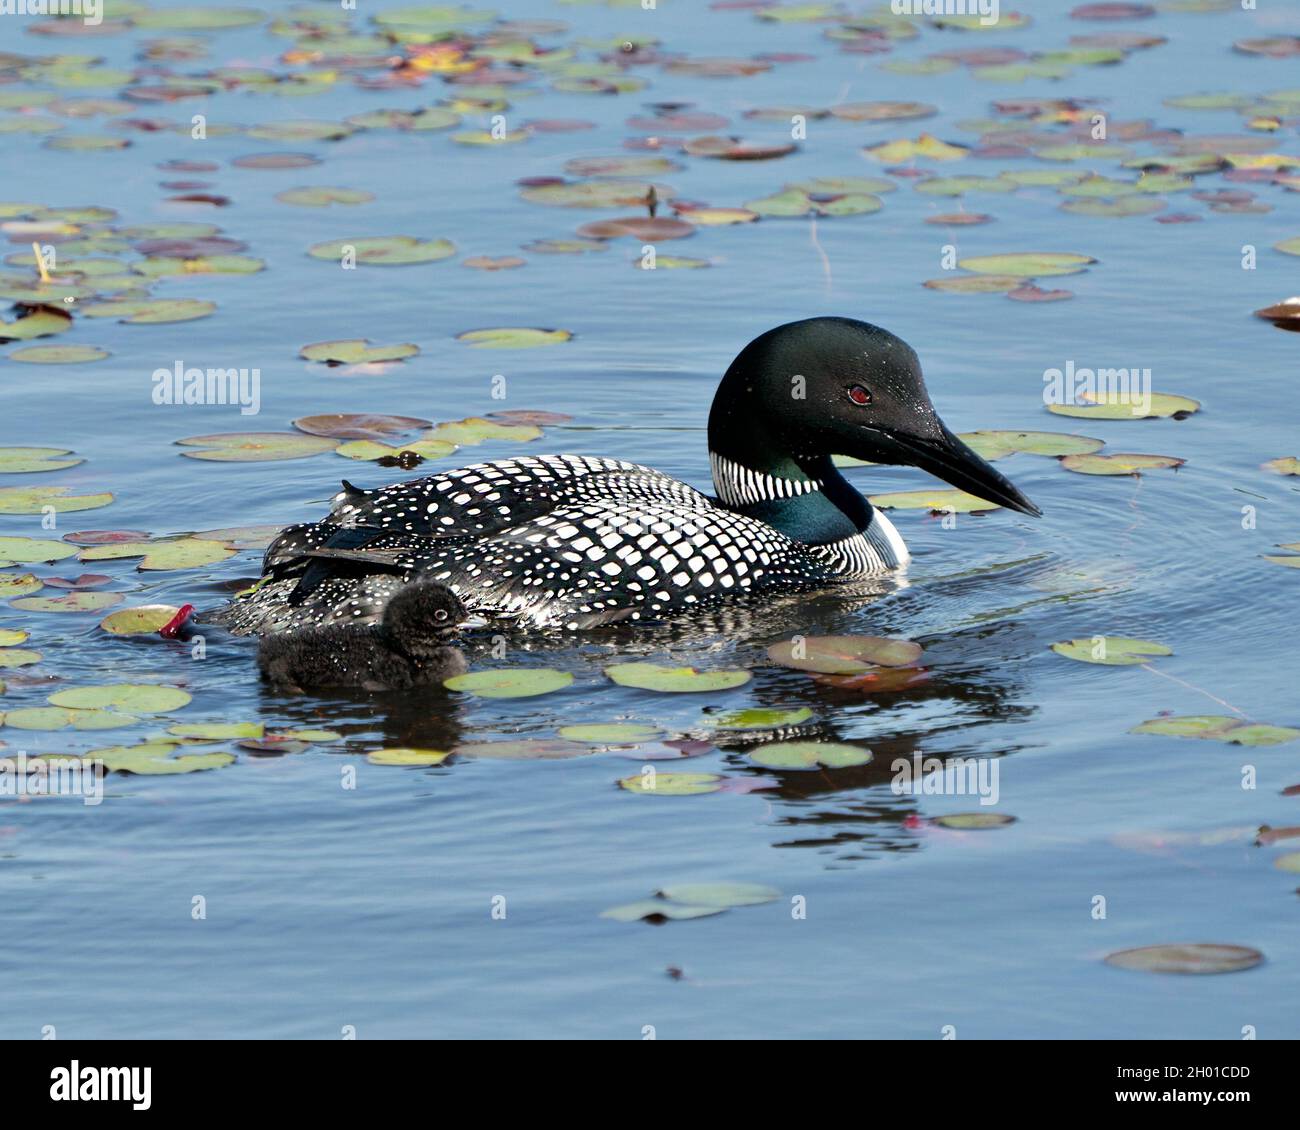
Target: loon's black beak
[(951, 460)]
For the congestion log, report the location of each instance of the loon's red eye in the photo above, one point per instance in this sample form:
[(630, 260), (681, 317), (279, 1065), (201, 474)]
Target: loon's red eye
[(859, 395)]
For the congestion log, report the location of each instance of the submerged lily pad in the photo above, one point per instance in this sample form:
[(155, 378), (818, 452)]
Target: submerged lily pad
[(356, 351), (809, 755), (844, 655), (1119, 463), (1191, 957), (1115, 651), (513, 338), (674, 680), (180, 553), (255, 447), (510, 682)]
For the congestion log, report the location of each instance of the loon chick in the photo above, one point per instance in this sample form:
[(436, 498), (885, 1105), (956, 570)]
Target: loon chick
[(408, 648), (574, 542)]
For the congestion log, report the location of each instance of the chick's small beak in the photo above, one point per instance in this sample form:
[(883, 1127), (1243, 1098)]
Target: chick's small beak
[(951, 460), (473, 621)]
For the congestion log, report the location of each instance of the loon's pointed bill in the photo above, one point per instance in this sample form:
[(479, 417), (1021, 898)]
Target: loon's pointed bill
[(576, 542), (954, 462)]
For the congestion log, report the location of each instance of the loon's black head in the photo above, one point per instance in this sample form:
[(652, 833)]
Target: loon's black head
[(835, 386), (421, 618)]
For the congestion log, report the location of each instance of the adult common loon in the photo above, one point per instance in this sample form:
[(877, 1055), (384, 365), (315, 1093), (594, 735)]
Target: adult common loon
[(575, 542)]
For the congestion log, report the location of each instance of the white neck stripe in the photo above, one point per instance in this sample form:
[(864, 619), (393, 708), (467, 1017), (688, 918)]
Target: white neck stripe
[(738, 485)]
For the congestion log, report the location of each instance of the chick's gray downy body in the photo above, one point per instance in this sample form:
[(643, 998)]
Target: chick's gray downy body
[(409, 647)]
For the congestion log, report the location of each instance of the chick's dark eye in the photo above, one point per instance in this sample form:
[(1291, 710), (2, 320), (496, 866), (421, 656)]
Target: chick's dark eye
[(859, 395), (441, 614)]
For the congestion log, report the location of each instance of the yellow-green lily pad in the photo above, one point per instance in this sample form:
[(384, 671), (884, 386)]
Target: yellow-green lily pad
[(1119, 463), (386, 251), (256, 447), (58, 354), (321, 196), (217, 731), (762, 718), (142, 620), (407, 757), (35, 321), (475, 429), (18, 657), (510, 682), (368, 451), (1288, 465), (513, 338), (180, 553), (356, 351), (34, 500), (995, 444), (609, 733), (809, 755), (30, 550), (1119, 406), (156, 759), (1217, 727), (150, 312), (27, 460), (72, 602), (672, 784), (653, 677), (55, 718), (1028, 264), (141, 698), (1114, 651), (11, 636)]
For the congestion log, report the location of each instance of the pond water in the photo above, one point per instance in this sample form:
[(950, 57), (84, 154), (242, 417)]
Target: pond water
[(465, 900)]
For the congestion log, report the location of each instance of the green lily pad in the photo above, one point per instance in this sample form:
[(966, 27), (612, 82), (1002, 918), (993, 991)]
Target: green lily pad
[(974, 821), (1259, 734), (196, 19), (180, 553), (155, 759), (513, 338), (141, 698), (1028, 264), (976, 284), (18, 657), (1119, 463), (1278, 559), (73, 602), (217, 731), (36, 321), (672, 784), (142, 620), (475, 430), (322, 197), (658, 910), (55, 718), (1218, 728), (407, 757), (30, 550), (1118, 406), (150, 312), (163, 266), (809, 755), (11, 636), (722, 895), (510, 682), (1118, 208), (524, 749), (960, 186), (58, 354), (938, 501), (28, 460), (993, 444), (1192, 957), (609, 733), (762, 718), (256, 447), (34, 500), (386, 251), (595, 194), (1115, 651), (653, 677), (356, 351)]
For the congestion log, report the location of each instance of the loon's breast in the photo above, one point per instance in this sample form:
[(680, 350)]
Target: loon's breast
[(557, 540)]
